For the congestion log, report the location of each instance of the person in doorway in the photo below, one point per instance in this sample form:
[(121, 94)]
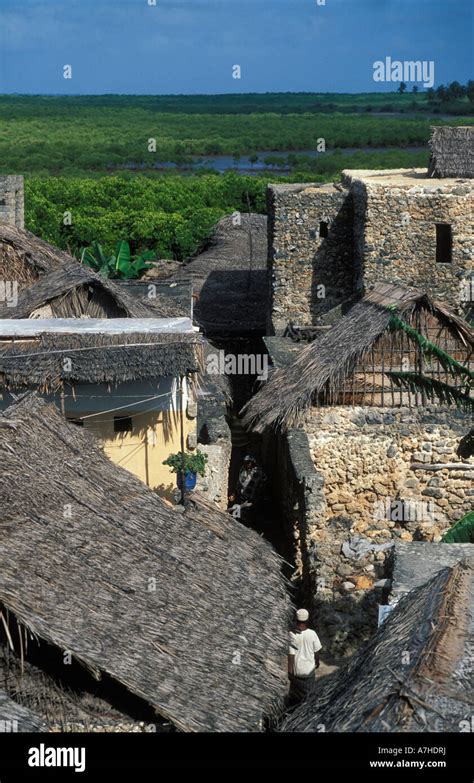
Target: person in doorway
[(248, 497), (303, 658), (251, 481)]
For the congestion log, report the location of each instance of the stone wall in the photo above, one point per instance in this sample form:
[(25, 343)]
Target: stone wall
[(215, 484), (12, 209), (379, 487), (214, 439), (297, 489), (310, 273), (370, 454), (381, 226), (395, 232), (353, 483)]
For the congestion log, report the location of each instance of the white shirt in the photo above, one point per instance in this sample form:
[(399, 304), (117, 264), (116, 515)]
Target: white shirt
[(303, 645)]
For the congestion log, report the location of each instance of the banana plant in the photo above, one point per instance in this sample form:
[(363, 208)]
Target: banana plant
[(462, 532), (121, 265)]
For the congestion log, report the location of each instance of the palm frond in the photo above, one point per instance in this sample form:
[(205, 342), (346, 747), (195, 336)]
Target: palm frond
[(449, 364), (433, 388)]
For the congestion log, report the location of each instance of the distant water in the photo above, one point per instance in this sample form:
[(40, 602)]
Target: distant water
[(223, 163)]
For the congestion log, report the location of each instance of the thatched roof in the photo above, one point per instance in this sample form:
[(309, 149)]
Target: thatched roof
[(96, 358), (14, 717), (73, 291), (452, 151), (65, 698), (230, 278), (25, 257), (323, 364), (379, 690), (188, 610), (155, 293)]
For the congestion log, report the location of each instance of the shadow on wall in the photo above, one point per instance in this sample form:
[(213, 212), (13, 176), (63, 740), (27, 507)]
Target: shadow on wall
[(234, 299), (333, 267), (166, 492), (147, 444), (344, 623), (166, 426)]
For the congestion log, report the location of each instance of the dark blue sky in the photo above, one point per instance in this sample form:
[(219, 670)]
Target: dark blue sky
[(190, 46)]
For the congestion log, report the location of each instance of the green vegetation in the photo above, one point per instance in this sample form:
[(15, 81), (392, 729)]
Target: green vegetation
[(183, 462), (454, 93), (447, 99), (90, 155), (120, 265), (462, 532), (171, 216), (87, 135)]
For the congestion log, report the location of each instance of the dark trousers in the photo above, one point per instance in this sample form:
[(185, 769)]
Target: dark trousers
[(300, 688)]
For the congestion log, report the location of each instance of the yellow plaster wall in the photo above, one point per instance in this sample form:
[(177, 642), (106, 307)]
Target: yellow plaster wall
[(155, 435)]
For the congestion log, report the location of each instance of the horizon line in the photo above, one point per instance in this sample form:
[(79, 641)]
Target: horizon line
[(198, 94)]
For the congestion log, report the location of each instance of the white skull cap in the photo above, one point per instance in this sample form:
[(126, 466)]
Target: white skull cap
[(302, 615)]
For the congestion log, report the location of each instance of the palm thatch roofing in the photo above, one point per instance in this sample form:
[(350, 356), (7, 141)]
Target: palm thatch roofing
[(155, 292), (25, 257), (96, 358), (64, 698), (186, 609), (323, 364), (452, 151), (230, 278), (71, 290), (380, 690), (15, 717)]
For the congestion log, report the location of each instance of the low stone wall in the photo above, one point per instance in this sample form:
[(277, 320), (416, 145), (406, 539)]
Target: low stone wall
[(215, 484), (383, 482), (356, 481), (214, 439)]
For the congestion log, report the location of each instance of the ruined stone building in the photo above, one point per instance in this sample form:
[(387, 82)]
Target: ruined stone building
[(414, 227)]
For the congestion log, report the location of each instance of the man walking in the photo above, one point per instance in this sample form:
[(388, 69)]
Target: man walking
[(303, 658)]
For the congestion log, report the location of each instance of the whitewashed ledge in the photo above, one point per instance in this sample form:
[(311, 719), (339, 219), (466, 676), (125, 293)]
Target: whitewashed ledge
[(33, 327)]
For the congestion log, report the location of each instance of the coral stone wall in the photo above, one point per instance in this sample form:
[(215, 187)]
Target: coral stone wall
[(311, 273), (381, 226), (215, 484), (395, 234), (378, 486)]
